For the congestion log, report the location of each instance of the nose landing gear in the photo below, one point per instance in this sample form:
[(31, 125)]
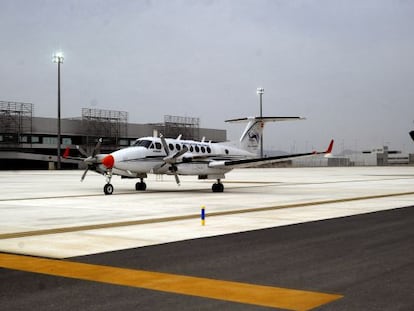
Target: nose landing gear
[(108, 188)]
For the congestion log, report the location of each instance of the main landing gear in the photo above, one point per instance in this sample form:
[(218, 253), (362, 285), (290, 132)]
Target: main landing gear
[(217, 187), (141, 186)]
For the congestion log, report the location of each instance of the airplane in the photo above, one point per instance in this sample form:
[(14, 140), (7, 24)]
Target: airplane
[(207, 160)]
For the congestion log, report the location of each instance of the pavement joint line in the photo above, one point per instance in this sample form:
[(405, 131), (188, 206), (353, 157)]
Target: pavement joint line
[(14, 235), (128, 193), (246, 293), (258, 183)]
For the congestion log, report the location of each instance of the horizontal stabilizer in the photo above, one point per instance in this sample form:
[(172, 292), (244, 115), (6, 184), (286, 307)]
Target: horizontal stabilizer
[(251, 139), (264, 119)]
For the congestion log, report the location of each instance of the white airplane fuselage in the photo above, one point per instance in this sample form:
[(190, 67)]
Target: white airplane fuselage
[(147, 156)]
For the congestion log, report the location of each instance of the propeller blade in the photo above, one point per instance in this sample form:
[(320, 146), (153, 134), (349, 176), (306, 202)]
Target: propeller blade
[(181, 152), (82, 151), (172, 159), (97, 147), (93, 160), (84, 173), (164, 144), (177, 179), (90, 160)]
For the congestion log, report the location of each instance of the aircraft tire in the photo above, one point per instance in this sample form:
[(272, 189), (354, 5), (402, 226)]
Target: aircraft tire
[(140, 186), (218, 187), (108, 189)]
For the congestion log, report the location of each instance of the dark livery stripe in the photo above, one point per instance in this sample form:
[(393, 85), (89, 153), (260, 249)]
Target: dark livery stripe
[(196, 159)]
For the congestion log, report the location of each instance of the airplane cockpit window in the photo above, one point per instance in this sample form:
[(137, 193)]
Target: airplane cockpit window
[(142, 143)]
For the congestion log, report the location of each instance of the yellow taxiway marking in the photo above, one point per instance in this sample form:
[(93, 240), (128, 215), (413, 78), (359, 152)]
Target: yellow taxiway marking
[(277, 297), (22, 234)]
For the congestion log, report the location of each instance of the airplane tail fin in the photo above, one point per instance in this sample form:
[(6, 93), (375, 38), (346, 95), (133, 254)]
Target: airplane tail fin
[(252, 134), (412, 135)]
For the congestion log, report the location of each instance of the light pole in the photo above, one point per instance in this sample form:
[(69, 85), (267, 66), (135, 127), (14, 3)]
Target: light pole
[(58, 59), (260, 91)]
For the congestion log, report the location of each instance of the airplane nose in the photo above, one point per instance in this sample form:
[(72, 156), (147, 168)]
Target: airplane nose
[(108, 161)]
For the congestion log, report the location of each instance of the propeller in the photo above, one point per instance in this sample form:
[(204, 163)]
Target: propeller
[(90, 160), (172, 159)]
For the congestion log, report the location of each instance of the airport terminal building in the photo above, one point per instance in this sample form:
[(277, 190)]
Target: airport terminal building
[(28, 142)]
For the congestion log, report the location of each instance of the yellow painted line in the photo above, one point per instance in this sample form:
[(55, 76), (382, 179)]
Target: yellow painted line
[(22, 234), (276, 297)]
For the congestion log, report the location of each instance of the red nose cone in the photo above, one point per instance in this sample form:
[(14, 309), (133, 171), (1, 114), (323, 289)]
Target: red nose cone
[(108, 161)]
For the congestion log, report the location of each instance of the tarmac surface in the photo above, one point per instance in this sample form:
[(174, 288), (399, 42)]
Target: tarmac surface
[(293, 235)]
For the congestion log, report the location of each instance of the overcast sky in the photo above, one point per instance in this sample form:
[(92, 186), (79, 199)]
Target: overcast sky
[(347, 66)]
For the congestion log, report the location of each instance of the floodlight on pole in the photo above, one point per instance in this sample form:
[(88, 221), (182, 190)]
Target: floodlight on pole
[(58, 59), (260, 92)]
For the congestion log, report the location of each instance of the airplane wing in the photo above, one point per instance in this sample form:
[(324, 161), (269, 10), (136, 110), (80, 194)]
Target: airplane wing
[(256, 161)]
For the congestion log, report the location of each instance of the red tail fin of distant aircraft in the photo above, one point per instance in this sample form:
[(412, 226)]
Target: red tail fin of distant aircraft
[(329, 150), (66, 153)]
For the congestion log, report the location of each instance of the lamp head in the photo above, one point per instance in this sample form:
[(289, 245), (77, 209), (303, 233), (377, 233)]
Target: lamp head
[(58, 57)]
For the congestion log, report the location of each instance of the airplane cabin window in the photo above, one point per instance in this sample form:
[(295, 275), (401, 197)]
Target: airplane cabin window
[(227, 151), (208, 149), (197, 149), (158, 146), (203, 150), (178, 147), (191, 149), (171, 146)]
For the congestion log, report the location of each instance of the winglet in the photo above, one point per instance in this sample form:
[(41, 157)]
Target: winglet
[(329, 150)]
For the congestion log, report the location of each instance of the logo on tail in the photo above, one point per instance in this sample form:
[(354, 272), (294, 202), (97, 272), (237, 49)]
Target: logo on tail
[(253, 136)]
